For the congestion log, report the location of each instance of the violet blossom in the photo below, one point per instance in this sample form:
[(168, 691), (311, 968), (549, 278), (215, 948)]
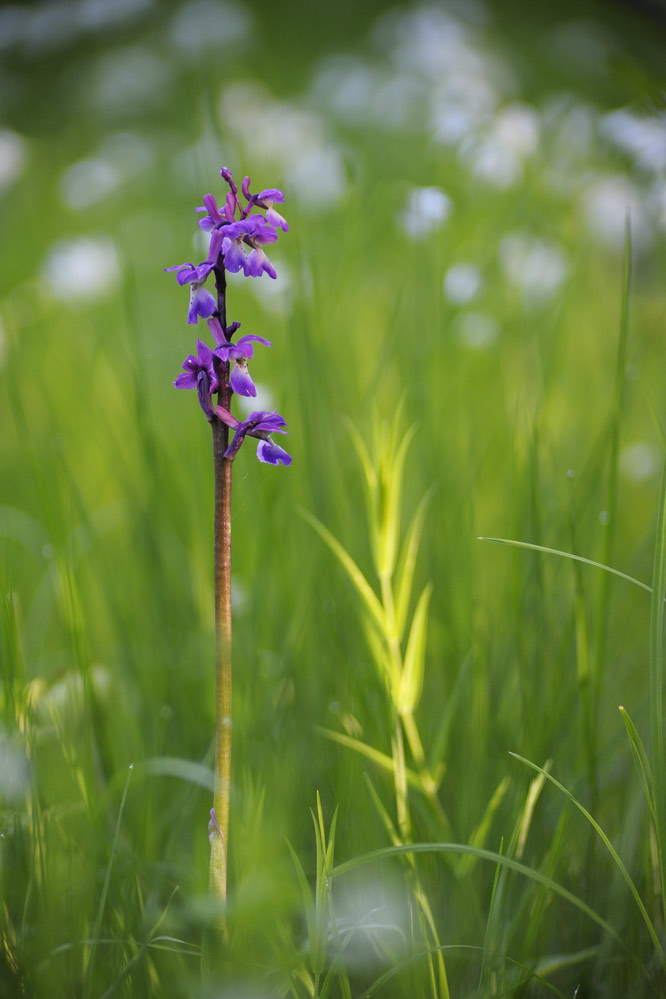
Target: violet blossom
[(237, 239), (199, 373)]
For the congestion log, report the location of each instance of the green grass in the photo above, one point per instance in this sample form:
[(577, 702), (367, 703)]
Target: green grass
[(387, 662)]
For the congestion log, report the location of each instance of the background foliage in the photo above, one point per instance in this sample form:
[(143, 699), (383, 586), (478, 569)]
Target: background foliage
[(457, 180)]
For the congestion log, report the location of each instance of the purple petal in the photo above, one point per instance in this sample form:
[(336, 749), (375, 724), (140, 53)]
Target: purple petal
[(186, 380), (205, 355), (241, 382), (244, 346), (245, 187), (271, 194), (272, 454), (269, 422), (257, 263), (202, 304), (234, 255), (215, 327), (230, 207), (276, 219), (225, 416), (215, 247), (243, 227)]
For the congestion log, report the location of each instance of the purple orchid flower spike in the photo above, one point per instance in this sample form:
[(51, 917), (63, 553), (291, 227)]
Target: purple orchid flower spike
[(199, 373)]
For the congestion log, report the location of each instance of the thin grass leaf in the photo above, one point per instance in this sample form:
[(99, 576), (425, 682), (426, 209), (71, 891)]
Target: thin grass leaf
[(657, 684), (441, 738), (411, 682), (392, 506), (383, 814), (361, 584), (375, 755), (480, 833), (174, 766), (575, 558), (97, 925), (415, 958), (306, 892), (407, 563), (640, 759), (611, 849), (533, 795), (482, 854)]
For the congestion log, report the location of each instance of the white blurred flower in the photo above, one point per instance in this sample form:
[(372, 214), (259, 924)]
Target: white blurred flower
[(496, 154), (275, 296), (462, 283), (264, 400), (12, 157), (291, 137), (640, 461), (605, 203), (14, 769), (516, 127), (427, 209), (130, 79), (97, 15), (87, 181), (208, 24), (642, 136), (476, 330), (78, 270), (536, 267)]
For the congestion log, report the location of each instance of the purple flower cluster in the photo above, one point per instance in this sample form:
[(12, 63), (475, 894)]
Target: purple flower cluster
[(238, 235)]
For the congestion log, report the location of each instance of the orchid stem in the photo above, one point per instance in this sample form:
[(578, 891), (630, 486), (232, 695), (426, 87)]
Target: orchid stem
[(219, 842), (219, 839)]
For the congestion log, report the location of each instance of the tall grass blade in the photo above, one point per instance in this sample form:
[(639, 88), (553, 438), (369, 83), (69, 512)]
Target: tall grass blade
[(657, 684), (392, 505), (382, 760), (575, 558), (361, 584), (97, 925), (407, 564), (611, 849), (482, 854), (411, 682), (641, 760), (478, 837)]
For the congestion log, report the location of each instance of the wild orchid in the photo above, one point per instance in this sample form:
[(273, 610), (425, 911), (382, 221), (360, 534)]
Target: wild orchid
[(238, 234)]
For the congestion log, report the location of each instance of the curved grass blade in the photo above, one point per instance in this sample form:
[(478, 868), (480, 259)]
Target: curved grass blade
[(363, 587), (478, 836), (533, 975), (657, 684), (411, 681), (375, 755), (105, 890), (390, 525), (640, 759), (494, 858), (611, 849), (575, 558), (407, 563)]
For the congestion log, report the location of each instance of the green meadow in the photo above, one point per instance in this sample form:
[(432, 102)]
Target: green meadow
[(449, 775)]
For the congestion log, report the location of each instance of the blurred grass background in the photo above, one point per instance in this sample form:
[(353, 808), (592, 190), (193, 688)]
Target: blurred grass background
[(457, 179)]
